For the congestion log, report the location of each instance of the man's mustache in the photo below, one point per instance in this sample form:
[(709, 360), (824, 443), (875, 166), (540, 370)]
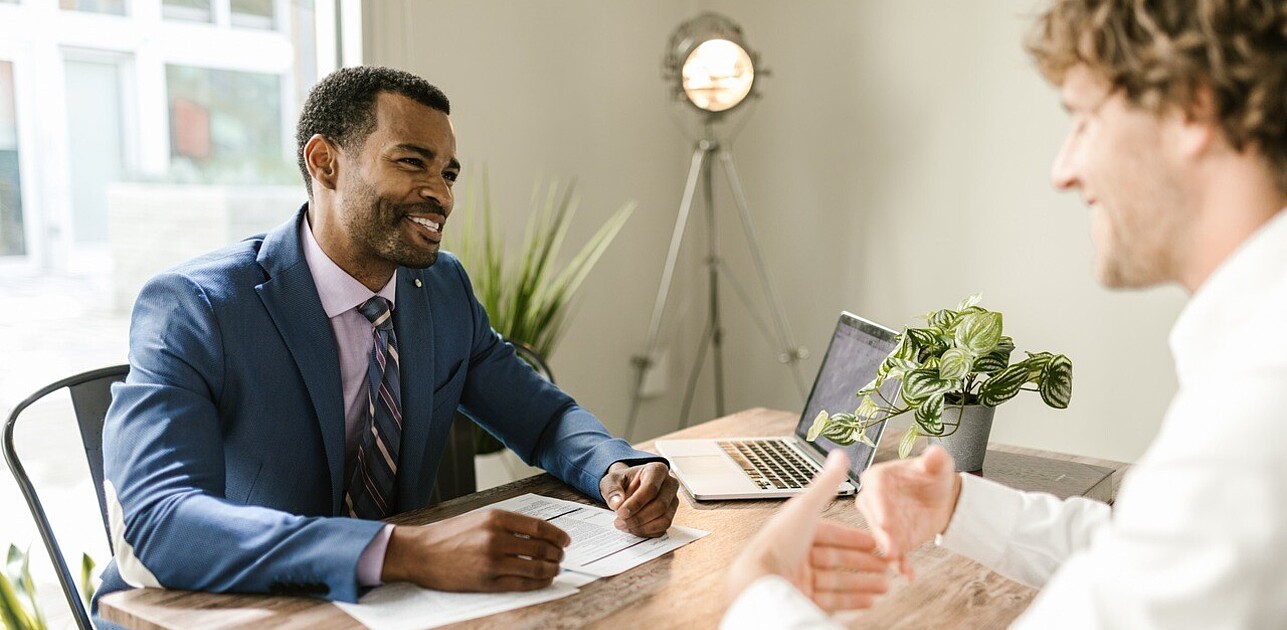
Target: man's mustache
[(426, 207)]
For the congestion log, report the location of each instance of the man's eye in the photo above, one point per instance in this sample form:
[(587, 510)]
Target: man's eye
[(412, 162), (451, 176)]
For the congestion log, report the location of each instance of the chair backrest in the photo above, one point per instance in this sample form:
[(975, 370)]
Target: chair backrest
[(90, 394), (456, 477)]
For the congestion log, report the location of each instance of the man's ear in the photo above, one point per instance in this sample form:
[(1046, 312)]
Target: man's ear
[(1200, 122), (322, 158)]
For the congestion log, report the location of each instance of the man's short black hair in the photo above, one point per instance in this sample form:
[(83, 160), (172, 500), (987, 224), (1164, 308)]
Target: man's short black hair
[(341, 107)]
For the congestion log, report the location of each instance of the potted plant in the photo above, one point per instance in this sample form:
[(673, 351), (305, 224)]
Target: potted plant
[(951, 375), (525, 291)]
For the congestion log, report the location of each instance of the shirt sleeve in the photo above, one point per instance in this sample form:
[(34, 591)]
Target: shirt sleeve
[(1193, 541), (1024, 536), (773, 602), (371, 563)]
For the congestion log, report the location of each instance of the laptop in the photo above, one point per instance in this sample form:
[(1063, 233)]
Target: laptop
[(773, 467)]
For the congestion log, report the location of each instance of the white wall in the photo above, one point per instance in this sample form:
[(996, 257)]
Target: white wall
[(898, 161)]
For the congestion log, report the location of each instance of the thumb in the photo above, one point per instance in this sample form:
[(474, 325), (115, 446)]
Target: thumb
[(822, 490), (613, 489), (934, 460)]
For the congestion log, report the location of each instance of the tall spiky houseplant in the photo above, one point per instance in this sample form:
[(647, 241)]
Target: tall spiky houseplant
[(19, 608), (526, 291)]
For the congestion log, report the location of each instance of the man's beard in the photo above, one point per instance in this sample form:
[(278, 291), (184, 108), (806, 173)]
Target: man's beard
[(377, 224)]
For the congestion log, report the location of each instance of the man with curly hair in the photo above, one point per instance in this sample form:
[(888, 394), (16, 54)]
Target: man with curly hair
[(1179, 148)]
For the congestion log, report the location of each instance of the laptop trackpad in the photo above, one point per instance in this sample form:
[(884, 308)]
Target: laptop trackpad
[(703, 464)]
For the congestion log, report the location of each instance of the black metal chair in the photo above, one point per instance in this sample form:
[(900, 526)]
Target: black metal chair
[(90, 395), (456, 476)]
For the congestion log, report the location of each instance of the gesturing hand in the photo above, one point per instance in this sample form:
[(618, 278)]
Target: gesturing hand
[(644, 497), (481, 551), (834, 565), (907, 502)]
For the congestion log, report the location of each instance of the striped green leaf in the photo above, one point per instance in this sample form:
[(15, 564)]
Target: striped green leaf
[(973, 300), (998, 359), (944, 319), (1003, 385), (979, 332), (815, 429), (1055, 384), (870, 387), (840, 429), (1037, 364), (867, 408), (909, 440), (922, 383), (955, 364), (907, 349), (922, 337), (929, 414)]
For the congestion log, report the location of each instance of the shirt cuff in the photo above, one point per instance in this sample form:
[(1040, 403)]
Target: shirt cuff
[(986, 513), (371, 563), (773, 602)]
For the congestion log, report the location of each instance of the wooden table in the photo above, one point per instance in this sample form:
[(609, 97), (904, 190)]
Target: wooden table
[(685, 588)]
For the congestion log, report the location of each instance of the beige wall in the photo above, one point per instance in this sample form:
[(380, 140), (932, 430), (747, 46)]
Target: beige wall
[(898, 161)]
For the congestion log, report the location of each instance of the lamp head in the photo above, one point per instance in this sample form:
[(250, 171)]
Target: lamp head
[(709, 64)]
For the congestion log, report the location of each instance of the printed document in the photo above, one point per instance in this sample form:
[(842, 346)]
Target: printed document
[(598, 550)]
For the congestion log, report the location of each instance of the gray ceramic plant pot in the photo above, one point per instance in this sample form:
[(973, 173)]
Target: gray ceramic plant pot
[(969, 444)]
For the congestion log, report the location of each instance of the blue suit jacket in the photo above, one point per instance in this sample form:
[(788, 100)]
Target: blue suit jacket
[(225, 446)]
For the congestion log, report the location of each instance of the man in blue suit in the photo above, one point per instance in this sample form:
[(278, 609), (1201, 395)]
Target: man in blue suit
[(288, 392)]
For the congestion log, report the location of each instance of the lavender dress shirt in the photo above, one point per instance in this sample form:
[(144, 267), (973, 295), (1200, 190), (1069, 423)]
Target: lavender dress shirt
[(341, 296)]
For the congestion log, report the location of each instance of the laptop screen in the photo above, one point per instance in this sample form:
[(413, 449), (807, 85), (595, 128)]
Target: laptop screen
[(856, 351)]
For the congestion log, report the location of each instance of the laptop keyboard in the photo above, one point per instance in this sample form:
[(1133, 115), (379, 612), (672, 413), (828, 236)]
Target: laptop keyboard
[(770, 463)]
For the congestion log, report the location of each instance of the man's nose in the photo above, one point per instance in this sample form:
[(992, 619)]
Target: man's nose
[(438, 192), (1063, 174)]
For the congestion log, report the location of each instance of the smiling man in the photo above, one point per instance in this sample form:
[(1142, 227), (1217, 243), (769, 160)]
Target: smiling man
[(1179, 148), (289, 392)]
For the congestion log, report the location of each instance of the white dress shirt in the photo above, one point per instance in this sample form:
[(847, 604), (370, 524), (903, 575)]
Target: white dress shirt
[(1198, 535)]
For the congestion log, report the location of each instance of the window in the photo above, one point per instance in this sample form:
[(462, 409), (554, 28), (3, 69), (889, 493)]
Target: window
[(113, 7), (225, 125), (187, 10), (12, 238), (253, 14)]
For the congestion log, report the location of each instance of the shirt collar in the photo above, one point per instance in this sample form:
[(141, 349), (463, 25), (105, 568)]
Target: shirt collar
[(1212, 319), (338, 290)]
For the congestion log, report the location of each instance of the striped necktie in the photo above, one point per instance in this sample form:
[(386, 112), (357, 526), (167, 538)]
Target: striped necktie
[(372, 492)]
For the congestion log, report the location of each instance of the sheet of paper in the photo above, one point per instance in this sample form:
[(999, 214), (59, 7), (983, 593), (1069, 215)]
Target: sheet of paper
[(405, 606), (598, 548)]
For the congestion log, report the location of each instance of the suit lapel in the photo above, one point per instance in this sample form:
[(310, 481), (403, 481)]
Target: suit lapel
[(414, 326), (290, 296)]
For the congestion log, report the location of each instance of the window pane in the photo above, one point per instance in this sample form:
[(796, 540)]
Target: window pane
[(187, 10), (115, 7), (94, 119), (12, 239), (253, 14), (226, 126)]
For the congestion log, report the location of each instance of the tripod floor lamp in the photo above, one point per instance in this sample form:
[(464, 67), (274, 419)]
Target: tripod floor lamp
[(713, 70)]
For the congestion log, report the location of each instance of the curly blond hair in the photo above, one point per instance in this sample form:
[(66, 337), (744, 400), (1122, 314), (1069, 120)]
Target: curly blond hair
[(1160, 51)]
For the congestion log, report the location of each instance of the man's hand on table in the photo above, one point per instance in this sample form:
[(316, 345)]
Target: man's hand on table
[(644, 497), (907, 502), (487, 551)]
